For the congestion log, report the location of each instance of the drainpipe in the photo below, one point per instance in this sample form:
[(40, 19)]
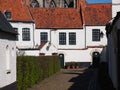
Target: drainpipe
[(33, 35), (50, 36), (83, 19), (85, 35)]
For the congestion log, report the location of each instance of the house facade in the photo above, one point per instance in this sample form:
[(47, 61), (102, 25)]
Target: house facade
[(7, 55), (20, 18), (74, 33)]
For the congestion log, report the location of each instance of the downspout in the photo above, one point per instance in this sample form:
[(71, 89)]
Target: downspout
[(50, 36), (32, 25), (85, 35), (33, 35), (83, 20)]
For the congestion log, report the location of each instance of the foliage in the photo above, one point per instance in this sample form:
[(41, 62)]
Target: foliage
[(31, 70)]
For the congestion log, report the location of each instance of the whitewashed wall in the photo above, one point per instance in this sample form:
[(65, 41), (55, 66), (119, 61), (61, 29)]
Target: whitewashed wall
[(20, 43), (37, 35), (32, 52), (89, 42), (80, 39), (78, 55), (7, 62), (115, 7)]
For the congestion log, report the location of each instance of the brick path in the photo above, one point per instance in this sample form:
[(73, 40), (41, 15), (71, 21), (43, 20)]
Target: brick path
[(79, 79)]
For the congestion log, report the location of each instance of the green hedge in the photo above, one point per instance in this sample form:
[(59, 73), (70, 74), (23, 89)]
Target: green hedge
[(31, 70)]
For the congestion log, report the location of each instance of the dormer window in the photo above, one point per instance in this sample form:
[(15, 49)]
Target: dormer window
[(34, 3), (7, 14)]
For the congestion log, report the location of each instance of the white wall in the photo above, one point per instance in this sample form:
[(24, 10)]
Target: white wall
[(115, 7), (7, 65), (78, 55), (116, 1), (37, 35), (32, 52), (89, 42), (80, 39), (20, 43)]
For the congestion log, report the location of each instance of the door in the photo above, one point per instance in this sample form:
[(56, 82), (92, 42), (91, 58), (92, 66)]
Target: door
[(62, 60), (95, 59)]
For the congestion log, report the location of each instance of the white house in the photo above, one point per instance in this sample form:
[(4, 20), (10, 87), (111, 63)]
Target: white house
[(20, 18), (7, 55), (73, 32)]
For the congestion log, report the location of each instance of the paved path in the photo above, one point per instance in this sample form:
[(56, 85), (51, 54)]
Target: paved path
[(79, 79)]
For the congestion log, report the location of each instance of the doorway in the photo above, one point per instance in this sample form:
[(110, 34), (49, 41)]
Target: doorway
[(95, 59), (62, 60)]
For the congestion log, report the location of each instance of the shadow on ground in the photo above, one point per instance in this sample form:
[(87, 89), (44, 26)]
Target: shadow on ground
[(92, 79), (82, 81)]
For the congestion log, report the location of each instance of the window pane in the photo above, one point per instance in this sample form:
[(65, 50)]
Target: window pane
[(26, 34), (72, 38), (16, 29), (7, 14), (62, 38), (44, 37), (96, 34)]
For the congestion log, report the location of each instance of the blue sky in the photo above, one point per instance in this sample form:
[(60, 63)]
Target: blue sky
[(99, 1)]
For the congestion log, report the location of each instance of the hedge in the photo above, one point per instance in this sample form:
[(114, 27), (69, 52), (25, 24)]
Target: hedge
[(31, 70)]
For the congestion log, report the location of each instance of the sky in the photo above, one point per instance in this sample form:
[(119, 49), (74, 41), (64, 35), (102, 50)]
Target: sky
[(99, 1)]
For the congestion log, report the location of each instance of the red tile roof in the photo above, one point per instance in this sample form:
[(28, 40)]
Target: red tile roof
[(97, 14), (56, 17), (18, 11)]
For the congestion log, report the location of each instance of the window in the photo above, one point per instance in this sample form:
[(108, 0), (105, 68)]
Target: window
[(44, 37), (72, 38), (26, 34), (62, 38), (16, 29), (71, 4), (7, 14), (34, 3), (96, 35), (52, 4)]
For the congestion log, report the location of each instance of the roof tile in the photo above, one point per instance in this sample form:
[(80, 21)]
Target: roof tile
[(56, 17), (98, 14)]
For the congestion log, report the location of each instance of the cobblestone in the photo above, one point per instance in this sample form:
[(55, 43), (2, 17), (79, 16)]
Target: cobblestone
[(74, 79)]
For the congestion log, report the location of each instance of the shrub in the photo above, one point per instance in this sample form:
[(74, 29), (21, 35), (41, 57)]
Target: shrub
[(31, 70)]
